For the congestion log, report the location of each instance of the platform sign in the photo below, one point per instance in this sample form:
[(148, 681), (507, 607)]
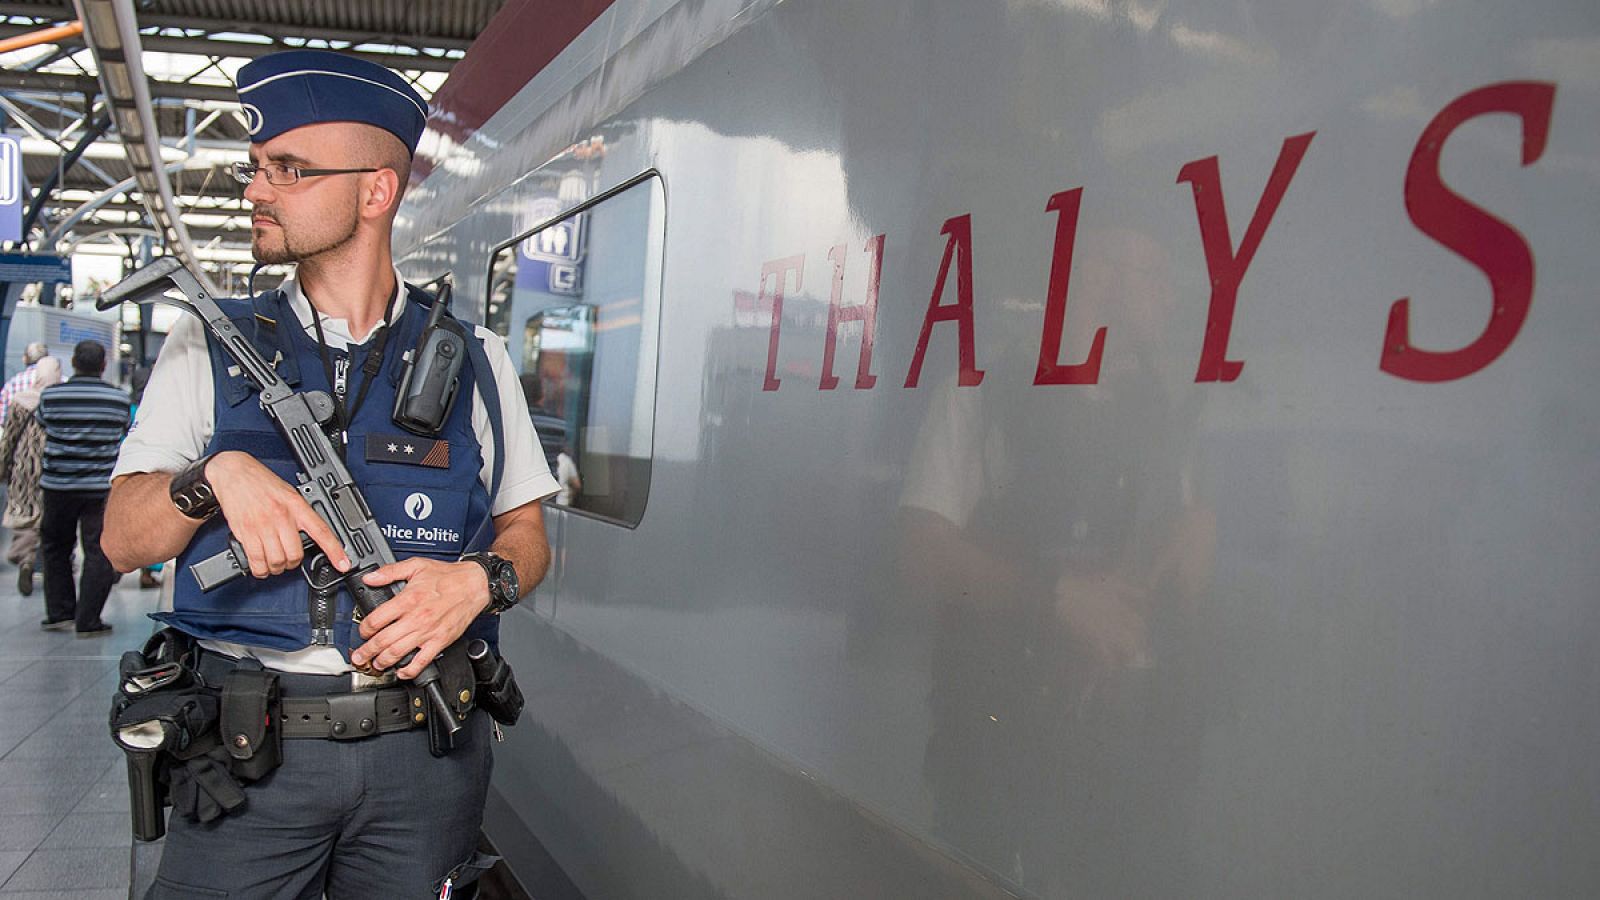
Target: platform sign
[(28, 268), (551, 259), (12, 192)]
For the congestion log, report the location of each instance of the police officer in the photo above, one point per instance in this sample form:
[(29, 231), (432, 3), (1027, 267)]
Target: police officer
[(380, 816)]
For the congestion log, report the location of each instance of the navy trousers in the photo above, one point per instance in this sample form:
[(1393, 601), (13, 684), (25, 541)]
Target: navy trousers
[(379, 817)]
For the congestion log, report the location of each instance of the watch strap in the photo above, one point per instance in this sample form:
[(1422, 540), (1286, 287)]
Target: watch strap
[(499, 600)]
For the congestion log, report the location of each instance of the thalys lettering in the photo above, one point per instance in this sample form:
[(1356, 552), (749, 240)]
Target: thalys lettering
[(1496, 248)]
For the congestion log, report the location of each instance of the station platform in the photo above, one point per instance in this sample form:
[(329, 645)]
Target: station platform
[(64, 819)]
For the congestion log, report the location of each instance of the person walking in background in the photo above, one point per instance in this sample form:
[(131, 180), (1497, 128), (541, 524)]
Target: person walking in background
[(85, 420), (23, 380), (21, 453)]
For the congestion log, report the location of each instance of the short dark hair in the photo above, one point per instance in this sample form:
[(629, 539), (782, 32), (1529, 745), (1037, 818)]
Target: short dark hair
[(89, 358)]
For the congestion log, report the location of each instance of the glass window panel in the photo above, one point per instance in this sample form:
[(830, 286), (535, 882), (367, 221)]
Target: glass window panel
[(577, 302)]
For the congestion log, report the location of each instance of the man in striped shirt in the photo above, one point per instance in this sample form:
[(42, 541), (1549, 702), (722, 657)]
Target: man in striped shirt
[(85, 420)]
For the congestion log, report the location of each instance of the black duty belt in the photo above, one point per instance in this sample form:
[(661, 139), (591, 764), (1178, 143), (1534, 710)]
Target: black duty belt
[(348, 717)]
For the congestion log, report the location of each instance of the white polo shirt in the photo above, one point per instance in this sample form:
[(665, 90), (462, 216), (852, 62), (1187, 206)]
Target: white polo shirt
[(178, 416)]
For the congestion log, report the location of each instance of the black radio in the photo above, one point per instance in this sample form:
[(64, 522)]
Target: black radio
[(432, 374)]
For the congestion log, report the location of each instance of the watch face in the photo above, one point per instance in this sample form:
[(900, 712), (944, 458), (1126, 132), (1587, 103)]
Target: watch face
[(505, 582), (503, 593)]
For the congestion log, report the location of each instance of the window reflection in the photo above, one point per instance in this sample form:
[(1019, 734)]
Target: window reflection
[(576, 304), (557, 351)]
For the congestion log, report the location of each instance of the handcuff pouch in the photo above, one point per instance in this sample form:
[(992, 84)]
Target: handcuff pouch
[(251, 731)]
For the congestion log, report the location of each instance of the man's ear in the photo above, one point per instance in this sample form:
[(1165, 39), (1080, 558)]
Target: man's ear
[(382, 194)]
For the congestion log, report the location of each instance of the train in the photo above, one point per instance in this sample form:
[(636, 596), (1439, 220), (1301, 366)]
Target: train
[(1043, 448)]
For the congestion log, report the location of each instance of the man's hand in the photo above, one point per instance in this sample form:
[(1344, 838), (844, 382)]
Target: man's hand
[(439, 601), (267, 515)]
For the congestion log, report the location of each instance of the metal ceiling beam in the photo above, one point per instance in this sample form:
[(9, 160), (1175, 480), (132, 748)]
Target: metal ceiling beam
[(131, 93), (416, 62), (101, 124), (83, 84), (212, 46), (231, 212), (267, 29), (33, 128), (65, 226), (208, 206), (353, 36), (209, 152), (60, 13), (112, 29)]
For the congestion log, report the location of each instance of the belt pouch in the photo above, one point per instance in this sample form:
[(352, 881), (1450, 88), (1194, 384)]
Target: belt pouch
[(455, 676), (250, 727), (458, 684), (498, 694)]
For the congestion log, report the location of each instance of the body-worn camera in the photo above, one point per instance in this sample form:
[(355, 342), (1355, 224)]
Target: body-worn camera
[(432, 375)]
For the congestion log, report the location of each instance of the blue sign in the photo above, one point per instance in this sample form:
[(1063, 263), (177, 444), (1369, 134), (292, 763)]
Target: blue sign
[(551, 259), (27, 268), (69, 332), (12, 190)]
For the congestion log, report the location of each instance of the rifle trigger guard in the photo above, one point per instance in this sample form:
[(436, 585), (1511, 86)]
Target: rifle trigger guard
[(320, 574)]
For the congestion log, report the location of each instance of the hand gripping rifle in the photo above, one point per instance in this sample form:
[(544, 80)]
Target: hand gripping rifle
[(302, 418)]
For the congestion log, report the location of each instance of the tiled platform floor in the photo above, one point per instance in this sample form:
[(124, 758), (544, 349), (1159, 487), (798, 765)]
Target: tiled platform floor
[(64, 822)]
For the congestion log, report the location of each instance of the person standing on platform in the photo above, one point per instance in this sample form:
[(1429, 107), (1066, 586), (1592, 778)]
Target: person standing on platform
[(21, 455), (363, 809), (22, 380), (85, 420)]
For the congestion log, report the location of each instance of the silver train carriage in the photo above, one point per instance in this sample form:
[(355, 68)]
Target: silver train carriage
[(1046, 448)]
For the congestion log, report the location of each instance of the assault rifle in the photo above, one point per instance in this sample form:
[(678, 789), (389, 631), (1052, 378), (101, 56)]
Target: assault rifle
[(303, 419)]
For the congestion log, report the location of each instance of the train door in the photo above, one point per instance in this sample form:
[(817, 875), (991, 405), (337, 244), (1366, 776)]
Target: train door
[(577, 301)]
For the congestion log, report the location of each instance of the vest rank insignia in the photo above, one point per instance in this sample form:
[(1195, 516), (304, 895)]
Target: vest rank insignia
[(408, 450)]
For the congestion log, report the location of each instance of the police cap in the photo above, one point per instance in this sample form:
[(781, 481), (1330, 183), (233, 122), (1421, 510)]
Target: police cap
[(287, 90)]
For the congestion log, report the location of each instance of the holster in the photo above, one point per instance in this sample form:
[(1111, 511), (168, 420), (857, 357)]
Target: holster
[(161, 708), (456, 678)]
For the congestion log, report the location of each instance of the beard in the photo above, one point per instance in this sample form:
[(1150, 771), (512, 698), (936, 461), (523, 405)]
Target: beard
[(295, 247)]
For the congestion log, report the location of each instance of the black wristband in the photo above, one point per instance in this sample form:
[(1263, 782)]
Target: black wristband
[(191, 492)]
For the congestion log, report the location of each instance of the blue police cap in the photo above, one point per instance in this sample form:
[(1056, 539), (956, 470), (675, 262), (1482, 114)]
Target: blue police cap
[(282, 91)]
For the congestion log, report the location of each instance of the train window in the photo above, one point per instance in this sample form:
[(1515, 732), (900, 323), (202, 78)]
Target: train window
[(577, 302)]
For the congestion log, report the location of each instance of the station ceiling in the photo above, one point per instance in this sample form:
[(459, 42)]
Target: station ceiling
[(50, 98)]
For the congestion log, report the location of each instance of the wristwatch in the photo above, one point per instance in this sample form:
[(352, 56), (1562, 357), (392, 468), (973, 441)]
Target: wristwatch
[(504, 591), (191, 493)]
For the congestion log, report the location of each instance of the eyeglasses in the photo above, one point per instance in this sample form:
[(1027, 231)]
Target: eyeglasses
[(280, 174)]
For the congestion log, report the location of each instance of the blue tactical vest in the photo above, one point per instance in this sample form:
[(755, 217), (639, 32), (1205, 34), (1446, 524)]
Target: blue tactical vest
[(430, 502)]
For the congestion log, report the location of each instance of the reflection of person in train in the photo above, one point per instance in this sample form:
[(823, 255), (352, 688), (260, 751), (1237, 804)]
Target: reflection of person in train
[(567, 476), (553, 376), (551, 426), (1065, 537)]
